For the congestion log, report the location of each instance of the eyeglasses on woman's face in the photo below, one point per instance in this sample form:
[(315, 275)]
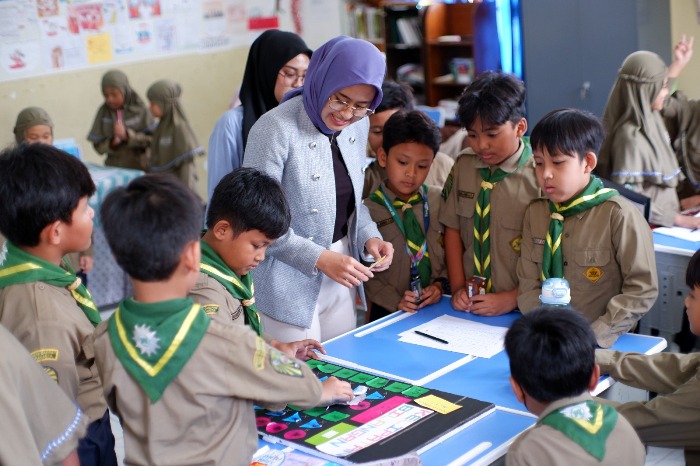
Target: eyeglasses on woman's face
[(341, 106)]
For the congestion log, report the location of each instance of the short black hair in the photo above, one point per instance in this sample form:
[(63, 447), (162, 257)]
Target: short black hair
[(495, 98), (395, 95), (551, 352), (149, 223), (250, 200), (692, 273), (568, 131), (412, 126), (39, 184)]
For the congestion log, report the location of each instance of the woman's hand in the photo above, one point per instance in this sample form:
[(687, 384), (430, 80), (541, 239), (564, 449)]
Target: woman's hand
[(379, 248), (343, 269)]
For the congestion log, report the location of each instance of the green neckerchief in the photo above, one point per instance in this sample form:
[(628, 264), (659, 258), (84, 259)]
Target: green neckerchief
[(482, 219), (587, 423), (19, 266), (592, 195), (240, 288), (154, 341), (416, 242)]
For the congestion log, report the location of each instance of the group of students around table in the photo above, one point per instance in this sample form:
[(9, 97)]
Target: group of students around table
[(182, 362)]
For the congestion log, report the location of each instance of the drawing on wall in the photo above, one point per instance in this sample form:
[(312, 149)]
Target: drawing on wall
[(144, 8), (87, 17)]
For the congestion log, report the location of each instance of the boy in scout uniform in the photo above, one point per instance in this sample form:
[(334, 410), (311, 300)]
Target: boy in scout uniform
[(42, 426), (182, 383), (585, 233), (491, 184), (247, 212), (44, 214), (672, 418), (406, 212), (552, 365)]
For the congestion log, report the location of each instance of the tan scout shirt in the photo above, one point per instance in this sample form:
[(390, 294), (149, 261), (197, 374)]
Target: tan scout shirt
[(672, 419), (38, 419), (545, 446), (49, 323), (439, 171), (216, 301), (205, 416), (387, 288), (608, 260), (509, 199)]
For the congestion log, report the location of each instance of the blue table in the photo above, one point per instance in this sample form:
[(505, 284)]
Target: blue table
[(376, 348)]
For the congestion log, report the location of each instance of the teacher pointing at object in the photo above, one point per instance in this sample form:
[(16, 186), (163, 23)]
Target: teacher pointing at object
[(314, 144)]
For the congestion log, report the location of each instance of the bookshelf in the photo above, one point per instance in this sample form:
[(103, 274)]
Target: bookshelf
[(425, 46), (449, 50)]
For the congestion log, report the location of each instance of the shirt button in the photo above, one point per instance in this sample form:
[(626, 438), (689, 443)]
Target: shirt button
[(41, 286), (315, 176), (566, 235), (566, 262), (311, 238), (364, 169), (312, 145), (314, 211), (352, 140)]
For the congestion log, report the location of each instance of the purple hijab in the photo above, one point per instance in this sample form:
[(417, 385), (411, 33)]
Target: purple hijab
[(339, 63)]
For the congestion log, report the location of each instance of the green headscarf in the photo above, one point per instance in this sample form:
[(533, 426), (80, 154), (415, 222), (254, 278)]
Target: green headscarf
[(174, 141), (31, 116), (637, 148), (135, 114)]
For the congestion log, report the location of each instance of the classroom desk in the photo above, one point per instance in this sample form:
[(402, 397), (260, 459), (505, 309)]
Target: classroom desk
[(672, 256), (107, 282), (375, 348)]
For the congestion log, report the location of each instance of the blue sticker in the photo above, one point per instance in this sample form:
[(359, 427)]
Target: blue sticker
[(374, 396), (312, 424), (276, 413), (293, 418), (323, 378)]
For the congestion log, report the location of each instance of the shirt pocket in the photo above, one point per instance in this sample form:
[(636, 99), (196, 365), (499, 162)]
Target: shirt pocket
[(591, 266), (466, 204), (510, 231)]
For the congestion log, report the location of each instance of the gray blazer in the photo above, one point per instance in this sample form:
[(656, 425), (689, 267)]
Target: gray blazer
[(286, 145)]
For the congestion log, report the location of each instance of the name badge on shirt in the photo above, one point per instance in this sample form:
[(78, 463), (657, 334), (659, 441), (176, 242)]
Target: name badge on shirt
[(539, 241), (465, 194), (166, 140), (385, 222)]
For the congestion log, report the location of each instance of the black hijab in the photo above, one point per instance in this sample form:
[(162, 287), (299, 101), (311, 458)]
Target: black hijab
[(268, 54)]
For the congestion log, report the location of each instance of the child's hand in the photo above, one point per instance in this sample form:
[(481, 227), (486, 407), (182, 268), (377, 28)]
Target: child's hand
[(683, 50), (687, 221), (335, 391), (494, 304), (460, 300), (302, 349), (431, 295), (690, 202), (120, 131), (409, 302), (86, 263)]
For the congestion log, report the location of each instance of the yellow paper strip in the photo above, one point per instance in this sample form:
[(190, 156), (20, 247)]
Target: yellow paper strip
[(435, 403)]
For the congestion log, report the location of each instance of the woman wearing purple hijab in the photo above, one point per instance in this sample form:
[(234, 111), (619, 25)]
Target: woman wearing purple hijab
[(314, 144)]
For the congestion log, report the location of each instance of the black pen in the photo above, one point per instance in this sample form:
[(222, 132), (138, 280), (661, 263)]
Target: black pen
[(432, 337)]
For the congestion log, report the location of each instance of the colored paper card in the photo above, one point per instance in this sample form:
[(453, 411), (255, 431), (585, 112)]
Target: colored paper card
[(328, 368), (376, 382), (435, 403), (396, 387), (374, 396), (345, 373), (312, 424), (312, 363), (415, 391), (323, 378), (315, 411), (375, 411), (361, 378), (330, 433), (276, 413), (335, 416), (396, 420), (293, 418)]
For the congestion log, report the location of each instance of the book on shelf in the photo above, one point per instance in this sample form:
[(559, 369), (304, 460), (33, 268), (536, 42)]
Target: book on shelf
[(409, 31)]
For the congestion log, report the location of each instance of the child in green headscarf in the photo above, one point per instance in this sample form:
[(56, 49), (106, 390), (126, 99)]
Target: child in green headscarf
[(174, 142), (122, 125), (34, 125)]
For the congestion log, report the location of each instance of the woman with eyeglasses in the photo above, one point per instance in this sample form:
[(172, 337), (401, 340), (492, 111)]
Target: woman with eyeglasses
[(277, 63), (314, 143)]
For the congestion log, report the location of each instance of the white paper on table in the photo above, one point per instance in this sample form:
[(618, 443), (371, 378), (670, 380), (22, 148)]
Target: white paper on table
[(680, 232), (463, 336)]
